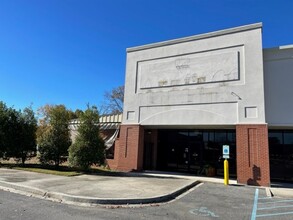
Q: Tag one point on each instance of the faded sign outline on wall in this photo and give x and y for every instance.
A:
(189, 69)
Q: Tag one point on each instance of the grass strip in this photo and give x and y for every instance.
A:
(49, 171)
(62, 170)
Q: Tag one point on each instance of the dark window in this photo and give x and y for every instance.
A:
(110, 152)
(281, 154)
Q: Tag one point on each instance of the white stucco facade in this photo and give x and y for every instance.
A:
(186, 98)
(211, 79)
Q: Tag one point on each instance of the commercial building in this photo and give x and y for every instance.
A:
(186, 98)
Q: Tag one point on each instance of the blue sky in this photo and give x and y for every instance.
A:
(72, 51)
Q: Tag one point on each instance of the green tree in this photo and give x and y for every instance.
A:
(10, 131)
(17, 133)
(88, 148)
(4, 118)
(53, 136)
(75, 114)
(26, 147)
(78, 113)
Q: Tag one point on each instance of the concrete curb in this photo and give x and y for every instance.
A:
(25, 189)
(102, 201)
(281, 192)
(269, 192)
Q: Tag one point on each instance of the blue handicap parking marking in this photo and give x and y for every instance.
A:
(266, 207)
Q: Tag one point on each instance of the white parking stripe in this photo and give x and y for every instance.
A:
(274, 214)
(254, 209)
(263, 203)
(264, 198)
(275, 207)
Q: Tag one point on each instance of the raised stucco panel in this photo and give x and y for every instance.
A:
(225, 67)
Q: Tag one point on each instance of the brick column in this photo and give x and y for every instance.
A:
(130, 149)
(252, 154)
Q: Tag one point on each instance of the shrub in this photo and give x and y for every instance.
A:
(88, 148)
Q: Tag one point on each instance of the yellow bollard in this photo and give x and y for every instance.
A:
(226, 172)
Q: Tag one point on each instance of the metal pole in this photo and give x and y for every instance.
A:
(226, 172)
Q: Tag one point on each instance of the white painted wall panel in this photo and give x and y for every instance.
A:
(195, 80)
(205, 114)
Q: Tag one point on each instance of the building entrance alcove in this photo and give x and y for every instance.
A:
(194, 151)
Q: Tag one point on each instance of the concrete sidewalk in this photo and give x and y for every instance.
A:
(97, 189)
(282, 189)
(127, 188)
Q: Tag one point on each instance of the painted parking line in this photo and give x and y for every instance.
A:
(274, 214)
(278, 201)
(271, 206)
(265, 198)
(254, 209)
(275, 207)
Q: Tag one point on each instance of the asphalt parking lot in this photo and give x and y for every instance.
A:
(205, 201)
(209, 199)
(272, 207)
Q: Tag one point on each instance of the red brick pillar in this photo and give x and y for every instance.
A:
(130, 149)
(253, 154)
